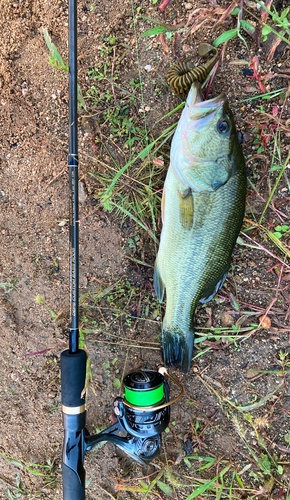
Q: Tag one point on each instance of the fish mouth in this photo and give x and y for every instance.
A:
(204, 113)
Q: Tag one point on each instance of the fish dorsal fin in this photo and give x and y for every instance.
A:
(185, 201)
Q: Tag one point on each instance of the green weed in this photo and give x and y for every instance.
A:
(256, 31)
(57, 62)
(9, 286)
(35, 469)
(281, 231)
(40, 300)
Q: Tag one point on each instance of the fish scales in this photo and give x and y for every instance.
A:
(203, 207)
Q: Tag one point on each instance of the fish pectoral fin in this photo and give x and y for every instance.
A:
(163, 205)
(209, 292)
(207, 176)
(158, 284)
(185, 201)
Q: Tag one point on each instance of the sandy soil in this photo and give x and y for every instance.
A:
(34, 258)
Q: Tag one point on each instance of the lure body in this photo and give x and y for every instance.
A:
(202, 211)
(182, 75)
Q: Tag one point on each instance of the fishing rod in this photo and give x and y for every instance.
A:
(144, 412)
(73, 360)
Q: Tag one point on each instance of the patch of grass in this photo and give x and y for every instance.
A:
(258, 31)
(226, 483)
(46, 471)
(124, 299)
(15, 491)
(131, 176)
(241, 418)
(9, 286)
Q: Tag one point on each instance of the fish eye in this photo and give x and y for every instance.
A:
(223, 126)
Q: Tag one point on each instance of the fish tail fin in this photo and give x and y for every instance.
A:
(177, 346)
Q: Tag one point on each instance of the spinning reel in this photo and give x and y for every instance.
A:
(144, 414)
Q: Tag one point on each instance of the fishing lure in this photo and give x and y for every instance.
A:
(182, 75)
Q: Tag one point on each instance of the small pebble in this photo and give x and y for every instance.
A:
(186, 48)
(227, 319)
(265, 321)
(188, 6)
(82, 193)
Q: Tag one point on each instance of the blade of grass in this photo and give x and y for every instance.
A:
(273, 93)
(55, 55)
(274, 188)
(136, 220)
(205, 486)
(271, 236)
(141, 155)
(170, 112)
(257, 246)
(262, 401)
(225, 37)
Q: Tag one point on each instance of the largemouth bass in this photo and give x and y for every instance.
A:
(202, 212)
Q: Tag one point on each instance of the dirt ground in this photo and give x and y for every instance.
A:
(119, 311)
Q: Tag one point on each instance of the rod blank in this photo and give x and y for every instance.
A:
(73, 180)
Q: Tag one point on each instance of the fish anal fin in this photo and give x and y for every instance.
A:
(158, 284)
(185, 201)
(209, 292)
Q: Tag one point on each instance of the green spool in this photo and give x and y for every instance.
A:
(144, 398)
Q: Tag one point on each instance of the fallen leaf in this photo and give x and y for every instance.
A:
(158, 162)
(267, 488)
(163, 43)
